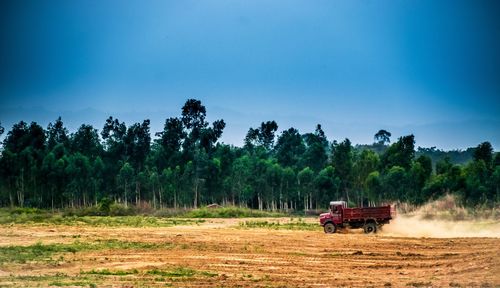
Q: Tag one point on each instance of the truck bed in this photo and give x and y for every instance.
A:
(361, 214)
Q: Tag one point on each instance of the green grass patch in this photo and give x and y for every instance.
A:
(118, 215)
(37, 278)
(117, 244)
(39, 252)
(176, 272)
(44, 252)
(277, 225)
(180, 272)
(229, 212)
(72, 283)
(44, 217)
(110, 272)
(131, 221)
(58, 279)
(158, 274)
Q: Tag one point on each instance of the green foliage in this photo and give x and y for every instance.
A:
(45, 252)
(394, 183)
(108, 272)
(40, 252)
(261, 137)
(289, 148)
(72, 284)
(484, 152)
(382, 137)
(126, 172)
(400, 153)
(229, 212)
(79, 217)
(176, 272)
(276, 225)
(342, 160)
(454, 156)
(327, 185)
(315, 156)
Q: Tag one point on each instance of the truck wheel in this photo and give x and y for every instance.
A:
(330, 228)
(370, 228)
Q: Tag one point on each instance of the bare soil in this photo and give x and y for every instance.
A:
(224, 255)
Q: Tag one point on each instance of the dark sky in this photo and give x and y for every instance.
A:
(431, 68)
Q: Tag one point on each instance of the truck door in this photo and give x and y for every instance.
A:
(337, 214)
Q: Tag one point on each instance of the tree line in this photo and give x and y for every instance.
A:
(186, 165)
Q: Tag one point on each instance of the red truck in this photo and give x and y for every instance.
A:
(368, 218)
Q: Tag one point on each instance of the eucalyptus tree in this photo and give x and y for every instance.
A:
(373, 185)
(170, 142)
(113, 133)
(193, 119)
(365, 163)
(262, 136)
(327, 187)
(289, 197)
(315, 155)
(305, 186)
(22, 157)
(86, 141)
(137, 141)
(55, 177)
(400, 153)
(79, 171)
(418, 176)
(57, 134)
(240, 180)
(126, 178)
(171, 187)
(382, 137)
(199, 134)
(289, 148)
(394, 184)
(484, 152)
(342, 161)
(114, 154)
(97, 178)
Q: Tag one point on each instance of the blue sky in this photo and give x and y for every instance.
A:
(431, 68)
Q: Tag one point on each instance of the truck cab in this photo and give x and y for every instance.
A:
(334, 216)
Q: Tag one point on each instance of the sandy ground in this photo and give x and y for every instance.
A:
(235, 257)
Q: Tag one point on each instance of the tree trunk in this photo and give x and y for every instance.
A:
(137, 192)
(154, 198)
(347, 196)
(20, 190)
(11, 198)
(196, 194)
(305, 203)
(175, 198)
(125, 192)
(259, 200)
(160, 191)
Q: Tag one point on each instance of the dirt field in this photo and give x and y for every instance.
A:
(219, 253)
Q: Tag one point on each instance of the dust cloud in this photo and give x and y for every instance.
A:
(415, 226)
